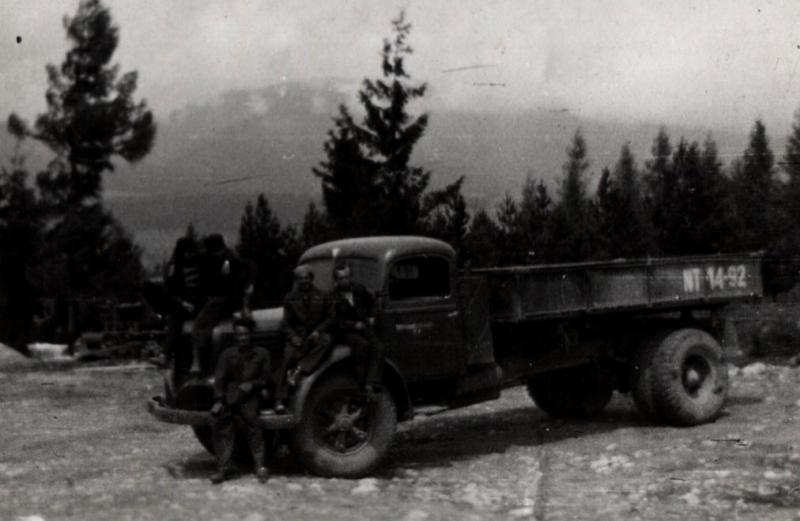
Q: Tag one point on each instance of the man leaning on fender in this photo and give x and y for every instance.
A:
(307, 317)
(241, 381)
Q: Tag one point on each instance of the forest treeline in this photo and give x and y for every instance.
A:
(60, 244)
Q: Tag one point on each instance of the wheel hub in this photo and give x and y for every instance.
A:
(346, 427)
(696, 371)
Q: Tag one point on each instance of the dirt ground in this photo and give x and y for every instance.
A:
(77, 444)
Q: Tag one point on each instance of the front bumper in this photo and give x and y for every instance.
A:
(269, 420)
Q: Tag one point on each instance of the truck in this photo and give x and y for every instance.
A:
(571, 333)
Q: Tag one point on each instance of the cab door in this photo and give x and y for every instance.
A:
(421, 322)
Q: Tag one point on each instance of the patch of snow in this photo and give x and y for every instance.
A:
(754, 369)
(771, 474)
(605, 465)
(365, 486)
(294, 487)
(10, 357)
(473, 495)
(11, 471)
(50, 352)
(31, 518)
(691, 498)
(255, 516)
(416, 515)
(521, 512)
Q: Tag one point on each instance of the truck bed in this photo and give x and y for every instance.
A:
(526, 293)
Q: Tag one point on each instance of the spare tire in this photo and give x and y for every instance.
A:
(683, 379)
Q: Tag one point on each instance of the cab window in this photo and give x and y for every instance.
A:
(419, 277)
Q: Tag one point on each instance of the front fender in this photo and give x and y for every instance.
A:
(341, 354)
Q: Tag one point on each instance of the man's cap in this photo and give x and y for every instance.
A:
(214, 243)
(244, 321)
(341, 268)
(303, 271)
(185, 245)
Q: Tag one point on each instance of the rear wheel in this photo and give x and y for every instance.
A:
(683, 379)
(341, 433)
(578, 392)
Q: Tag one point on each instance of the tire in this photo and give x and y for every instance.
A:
(641, 378)
(198, 396)
(340, 433)
(578, 392)
(681, 379)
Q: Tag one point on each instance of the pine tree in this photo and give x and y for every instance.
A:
(88, 254)
(20, 236)
(715, 224)
(266, 245)
(755, 190)
(534, 210)
(368, 185)
(509, 240)
(91, 118)
(447, 215)
(349, 182)
(570, 231)
(624, 222)
(789, 199)
(663, 194)
(480, 245)
(315, 229)
(91, 114)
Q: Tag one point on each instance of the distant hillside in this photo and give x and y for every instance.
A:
(269, 139)
(209, 160)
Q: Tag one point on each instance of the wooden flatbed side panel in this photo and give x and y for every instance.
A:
(530, 293)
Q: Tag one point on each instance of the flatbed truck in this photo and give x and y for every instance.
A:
(571, 333)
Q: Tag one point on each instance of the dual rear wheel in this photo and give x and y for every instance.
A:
(678, 378)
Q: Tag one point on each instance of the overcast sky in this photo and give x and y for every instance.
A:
(716, 63)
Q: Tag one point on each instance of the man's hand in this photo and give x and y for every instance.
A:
(187, 306)
(314, 335)
(246, 387)
(296, 341)
(216, 409)
(359, 326)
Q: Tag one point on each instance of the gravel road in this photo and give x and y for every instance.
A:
(77, 444)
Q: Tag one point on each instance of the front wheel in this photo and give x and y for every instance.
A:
(341, 433)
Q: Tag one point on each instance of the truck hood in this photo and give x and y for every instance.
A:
(267, 321)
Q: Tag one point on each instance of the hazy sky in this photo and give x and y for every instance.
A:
(716, 63)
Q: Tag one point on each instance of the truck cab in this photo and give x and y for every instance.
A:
(423, 308)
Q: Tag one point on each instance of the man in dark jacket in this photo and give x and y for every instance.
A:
(307, 318)
(354, 325)
(241, 381)
(180, 295)
(226, 281)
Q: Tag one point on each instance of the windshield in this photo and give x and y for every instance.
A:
(364, 271)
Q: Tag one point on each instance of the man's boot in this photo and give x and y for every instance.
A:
(262, 474)
(220, 476)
